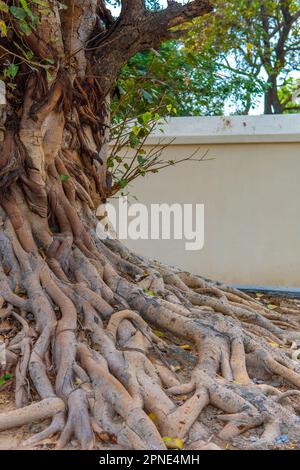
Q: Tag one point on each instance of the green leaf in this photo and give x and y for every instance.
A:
(42, 3)
(3, 28)
(25, 28)
(4, 378)
(27, 53)
(123, 183)
(133, 140)
(12, 70)
(141, 160)
(17, 12)
(8, 376)
(64, 178)
(146, 116)
(3, 7)
(25, 6)
(149, 292)
(147, 96)
(45, 11)
(136, 130)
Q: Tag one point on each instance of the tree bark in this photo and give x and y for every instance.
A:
(272, 102)
(87, 342)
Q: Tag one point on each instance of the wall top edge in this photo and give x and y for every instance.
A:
(228, 129)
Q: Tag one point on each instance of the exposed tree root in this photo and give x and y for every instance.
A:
(41, 410)
(86, 343)
(91, 354)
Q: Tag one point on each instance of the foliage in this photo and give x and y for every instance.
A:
(155, 84)
(151, 4)
(172, 75)
(4, 378)
(21, 17)
(246, 50)
(255, 42)
(129, 156)
(289, 93)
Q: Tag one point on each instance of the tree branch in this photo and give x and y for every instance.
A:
(176, 13)
(105, 13)
(78, 22)
(133, 9)
(137, 30)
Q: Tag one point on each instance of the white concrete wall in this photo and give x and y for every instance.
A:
(251, 193)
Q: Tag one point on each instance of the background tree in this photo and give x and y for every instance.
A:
(257, 43)
(248, 50)
(91, 327)
(172, 75)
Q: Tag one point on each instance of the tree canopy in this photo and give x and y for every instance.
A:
(258, 41)
(246, 51)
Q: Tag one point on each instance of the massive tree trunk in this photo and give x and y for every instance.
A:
(86, 353)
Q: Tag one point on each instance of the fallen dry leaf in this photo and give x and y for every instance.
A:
(272, 307)
(173, 442)
(185, 346)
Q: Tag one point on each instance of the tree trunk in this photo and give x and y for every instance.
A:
(87, 346)
(272, 102)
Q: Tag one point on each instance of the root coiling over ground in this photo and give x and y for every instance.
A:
(90, 345)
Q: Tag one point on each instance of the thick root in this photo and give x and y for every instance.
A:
(35, 412)
(125, 349)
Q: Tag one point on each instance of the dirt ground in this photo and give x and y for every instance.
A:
(182, 361)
